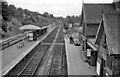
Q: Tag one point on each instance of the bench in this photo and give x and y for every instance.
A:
(20, 45)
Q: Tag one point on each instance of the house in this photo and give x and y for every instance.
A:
(91, 18)
(91, 15)
(107, 40)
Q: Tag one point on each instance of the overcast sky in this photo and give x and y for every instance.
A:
(55, 7)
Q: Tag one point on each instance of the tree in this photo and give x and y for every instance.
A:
(5, 11)
(46, 14)
(69, 19)
(20, 9)
(4, 26)
(51, 16)
(12, 10)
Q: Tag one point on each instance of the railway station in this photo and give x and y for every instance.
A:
(35, 44)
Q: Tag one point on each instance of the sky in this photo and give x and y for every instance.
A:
(55, 7)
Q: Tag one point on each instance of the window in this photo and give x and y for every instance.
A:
(104, 42)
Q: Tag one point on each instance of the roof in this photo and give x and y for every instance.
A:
(111, 24)
(112, 27)
(99, 32)
(93, 12)
(91, 30)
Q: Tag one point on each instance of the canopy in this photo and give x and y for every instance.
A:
(29, 27)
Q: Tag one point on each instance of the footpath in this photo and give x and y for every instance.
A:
(75, 62)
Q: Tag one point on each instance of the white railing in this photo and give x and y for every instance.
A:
(12, 40)
(8, 42)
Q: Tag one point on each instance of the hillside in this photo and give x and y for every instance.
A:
(12, 18)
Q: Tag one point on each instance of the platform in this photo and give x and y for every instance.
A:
(12, 55)
(75, 62)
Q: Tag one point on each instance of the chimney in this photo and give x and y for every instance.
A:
(117, 4)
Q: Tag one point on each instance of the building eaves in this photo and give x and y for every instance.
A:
(112, 30)
(93, 12)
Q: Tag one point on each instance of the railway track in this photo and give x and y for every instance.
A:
(29, 64)
(51, 36)
(64, 62)
(55, 68)
(31, 67)
(58, 65)
(21, 65)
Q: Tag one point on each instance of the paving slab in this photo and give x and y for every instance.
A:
(75, 62)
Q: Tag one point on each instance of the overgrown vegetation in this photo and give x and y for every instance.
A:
(13, 16)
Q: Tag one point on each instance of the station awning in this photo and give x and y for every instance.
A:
(31, 27)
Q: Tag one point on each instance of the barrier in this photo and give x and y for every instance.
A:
(10, 41)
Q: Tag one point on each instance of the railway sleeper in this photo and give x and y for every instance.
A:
(33, 65)
(56, 59)
(55, 72)
(55, 67)
(28, 72)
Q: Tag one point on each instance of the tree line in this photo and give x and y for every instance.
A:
(25, 16)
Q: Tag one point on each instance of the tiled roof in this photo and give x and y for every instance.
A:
(91, 30)
(93, 12)
(112, 30)
(99, 32)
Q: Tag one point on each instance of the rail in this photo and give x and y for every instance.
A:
(56, 63)
(34, 62)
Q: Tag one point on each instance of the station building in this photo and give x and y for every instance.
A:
(107, 39)
(100, 24)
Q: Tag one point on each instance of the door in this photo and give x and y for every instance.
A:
(102, 70)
